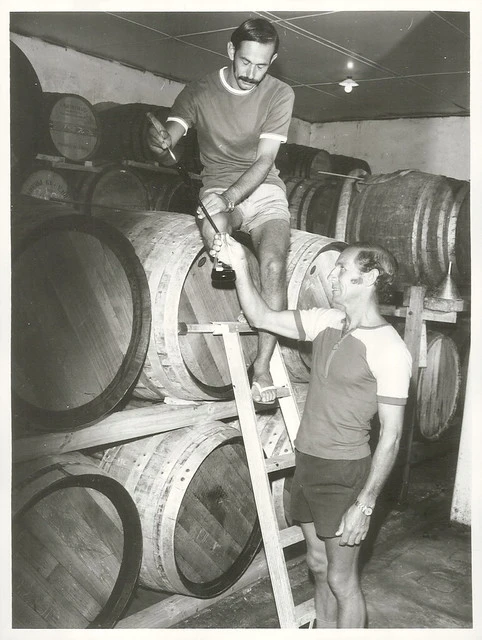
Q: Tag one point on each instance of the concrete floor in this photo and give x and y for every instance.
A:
(416, 564)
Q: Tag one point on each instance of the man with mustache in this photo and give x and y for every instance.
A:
(242, 115)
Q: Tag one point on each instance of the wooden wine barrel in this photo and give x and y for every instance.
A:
(170, 193)
(25, 105)
(77, 545)
(438, 386)
(313, 204)
(311, 259)
(302, 161)
(415, 216)
(113, 188)
(191, 366)
(193, 492)
(80, 322)
(70, 127)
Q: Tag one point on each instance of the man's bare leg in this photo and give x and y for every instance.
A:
(316, 559)
(271, 243)
(344, 582)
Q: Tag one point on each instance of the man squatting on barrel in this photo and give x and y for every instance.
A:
(359, 365)
(242, 115)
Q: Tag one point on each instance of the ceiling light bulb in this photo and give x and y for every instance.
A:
(348, 83)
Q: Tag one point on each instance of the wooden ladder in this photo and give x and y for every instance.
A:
(274, 539)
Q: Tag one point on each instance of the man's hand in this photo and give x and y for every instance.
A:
(227, 250)
(353, 527)
(158, 138)
(214, 204)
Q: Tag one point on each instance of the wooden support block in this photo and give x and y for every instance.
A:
(442, 304)
(122, 426)
(427, 314)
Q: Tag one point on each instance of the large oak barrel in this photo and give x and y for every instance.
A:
(191, 366)
(77, 545)
(193, 492)
(25, 106)
(114, 187)
(415, 215)
(438, 386)
(311, 258)
(70, 127)
(80, 321)
(313, 204)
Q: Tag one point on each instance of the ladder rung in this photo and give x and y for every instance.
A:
(305, 612)
(291, 535)
(278, 463)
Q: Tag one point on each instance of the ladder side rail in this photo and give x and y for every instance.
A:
(275, 559)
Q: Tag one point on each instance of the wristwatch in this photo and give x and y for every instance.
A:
(229, 203)
(364, 508)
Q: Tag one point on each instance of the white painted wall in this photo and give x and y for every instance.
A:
(62, 70)
(434, 145)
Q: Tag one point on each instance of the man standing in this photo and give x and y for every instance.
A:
(360, 365)
(242, 115)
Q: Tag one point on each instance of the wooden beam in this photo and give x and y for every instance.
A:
(177, 608)
(122, 426)
(413, 333)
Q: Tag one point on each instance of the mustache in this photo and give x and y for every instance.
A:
(248, 80)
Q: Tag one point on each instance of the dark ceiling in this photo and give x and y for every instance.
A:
(407, 63)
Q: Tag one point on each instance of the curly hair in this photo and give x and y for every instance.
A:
(373, 256)
(256, 30)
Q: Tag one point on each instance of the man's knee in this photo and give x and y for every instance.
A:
(273, 266)
(342, 584)
(317, 562)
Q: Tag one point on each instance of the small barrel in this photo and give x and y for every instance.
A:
(51, 184)
(113, 188)
(415, 215)
(77, 545)
(70, 127)
(191, 366)
(311, 259)
(193, 492)
(438, 386)
(80, 321)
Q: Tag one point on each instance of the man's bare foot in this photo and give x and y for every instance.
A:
(262, 389)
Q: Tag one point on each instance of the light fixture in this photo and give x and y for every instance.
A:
(348, 83)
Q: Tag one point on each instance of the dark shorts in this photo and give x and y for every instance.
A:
(322, 490)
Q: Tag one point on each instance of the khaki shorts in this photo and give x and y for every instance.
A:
(267, 202)
(322, 490)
